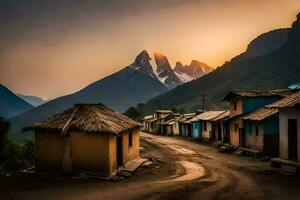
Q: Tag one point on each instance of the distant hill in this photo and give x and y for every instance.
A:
(33, 100)
(271, 61)
(10, 104)
(118, 91)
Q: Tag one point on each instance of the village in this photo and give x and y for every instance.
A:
(212, 154)
(257, 123)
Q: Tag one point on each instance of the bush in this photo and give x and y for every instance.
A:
(18, 156)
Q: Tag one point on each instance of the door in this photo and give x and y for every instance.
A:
(219, 131)
(242, 137)
(213, 131)
(292, 139)
(119, 151)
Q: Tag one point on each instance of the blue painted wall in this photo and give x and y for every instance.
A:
(196, 129)
(271, 125)
(251, 104)
(248, 127)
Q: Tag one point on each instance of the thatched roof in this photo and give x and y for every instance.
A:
(92, 118)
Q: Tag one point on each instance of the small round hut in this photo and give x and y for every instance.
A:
(86, 138)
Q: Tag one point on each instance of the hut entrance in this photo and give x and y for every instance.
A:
(292, 139)
(119, 151)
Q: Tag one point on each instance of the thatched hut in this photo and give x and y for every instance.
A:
(86, 138)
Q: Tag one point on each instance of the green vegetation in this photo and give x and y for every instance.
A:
(14, 156)
(135, 112)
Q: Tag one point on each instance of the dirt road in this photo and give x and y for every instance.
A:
(184, 170)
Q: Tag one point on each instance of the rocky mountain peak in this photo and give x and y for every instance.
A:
(195, 70)
(163, 65)
(142, 64)
(165, 72)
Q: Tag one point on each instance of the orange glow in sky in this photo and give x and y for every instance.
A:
(50, 62)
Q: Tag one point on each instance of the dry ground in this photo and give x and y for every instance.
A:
(182, 170)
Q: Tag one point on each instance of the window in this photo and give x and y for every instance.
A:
(256, 130)
(204, 126)
(130, 139)
(235, 105)
(236, 128)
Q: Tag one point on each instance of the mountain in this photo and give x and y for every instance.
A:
(10, 104)
(142, 64)
(33, 100)
(119, 91)
(164, 71)
(193, 71)
(265, 44)
(262, 66)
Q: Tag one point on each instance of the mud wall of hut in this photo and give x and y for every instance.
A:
(49, 151)
(90, 152)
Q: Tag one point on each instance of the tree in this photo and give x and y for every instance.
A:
(133, 113)
(174, 110)
(4, 128)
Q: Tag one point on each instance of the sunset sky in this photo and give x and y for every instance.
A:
(51, 48)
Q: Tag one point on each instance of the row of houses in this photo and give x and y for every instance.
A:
(265, 122)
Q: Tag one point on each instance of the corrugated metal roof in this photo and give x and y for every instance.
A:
(163, 111)
(295, 86)
(148, 117)
(208, 115)
(260, 114)
(222, 116)
(257, 93)
(185, 118)
(289, 101)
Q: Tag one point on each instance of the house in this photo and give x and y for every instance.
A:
(86, 138)
(185, 125)
(289, 133)
(146, 123)
(159, 117)
(262, 131)
(196, 125)
(244, 102)
(220, 127)
(171, 125)
(204, 121)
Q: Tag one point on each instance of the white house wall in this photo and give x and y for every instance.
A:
(284, 115)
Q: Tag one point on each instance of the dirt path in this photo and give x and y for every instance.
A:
(186, 170)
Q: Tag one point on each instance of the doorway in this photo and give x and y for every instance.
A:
(292, 139)
(219, 131)
(119, 151)
(242, 137)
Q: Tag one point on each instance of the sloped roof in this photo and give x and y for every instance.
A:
(148, 117)
(222, 116)
(289, 101)
(93, 118)
(163, 111)
(295, 86)
(186, 117)
(208, 115)
(258, 93)
(260, 114)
